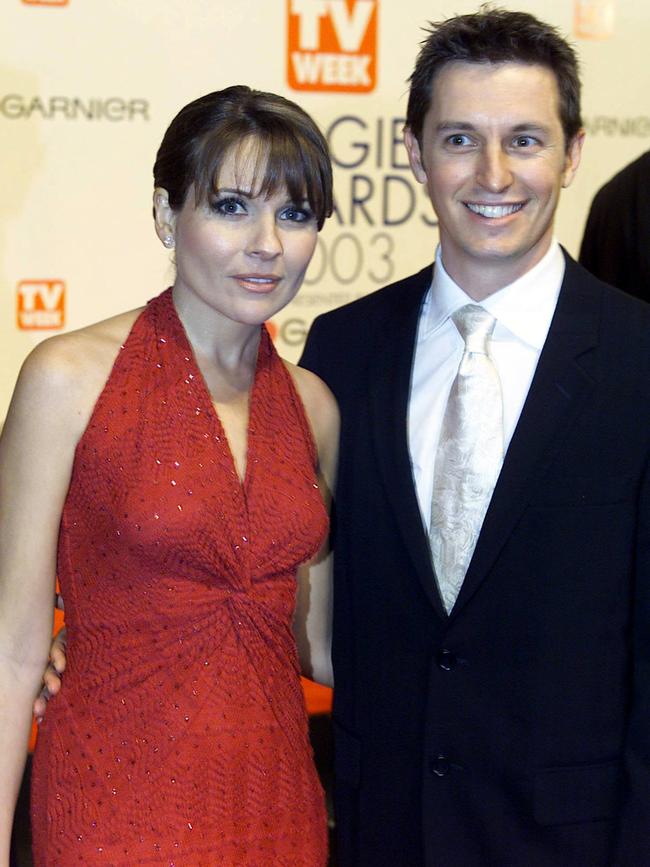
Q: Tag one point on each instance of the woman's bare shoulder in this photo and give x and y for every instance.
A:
(314, 393)
(98, 339)
(84, 352)
(65, 373)
(323, 415)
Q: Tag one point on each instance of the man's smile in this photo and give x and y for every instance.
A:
(493, 212)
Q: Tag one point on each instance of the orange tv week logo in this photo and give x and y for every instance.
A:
(40, 305)
(46, 2)
(332, 45)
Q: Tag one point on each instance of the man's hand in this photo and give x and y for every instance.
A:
(52, 674)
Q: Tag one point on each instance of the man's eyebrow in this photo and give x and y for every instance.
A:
(531, 126)
(448, 125)
(464, 126)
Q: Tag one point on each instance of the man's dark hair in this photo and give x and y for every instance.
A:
(495, 36)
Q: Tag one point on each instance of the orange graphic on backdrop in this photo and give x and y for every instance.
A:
(332, 45)
(40, 305)
(46, 2)
(594, 19)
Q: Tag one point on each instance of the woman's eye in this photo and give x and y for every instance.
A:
(229, 205)
(296, 214)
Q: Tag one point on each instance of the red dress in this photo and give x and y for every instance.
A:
(180, 734)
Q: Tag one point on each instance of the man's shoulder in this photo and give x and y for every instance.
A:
(341, 343)
(380, 304)
(624, 316)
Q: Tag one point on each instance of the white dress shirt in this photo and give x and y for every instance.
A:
(523, 311)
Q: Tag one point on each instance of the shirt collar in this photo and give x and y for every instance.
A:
(525, 307)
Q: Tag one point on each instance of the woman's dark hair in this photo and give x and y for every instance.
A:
(290, 149)
(495, 36)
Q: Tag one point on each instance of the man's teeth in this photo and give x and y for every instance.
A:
(493, 211)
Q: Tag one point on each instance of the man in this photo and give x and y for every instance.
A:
(616, 243)
(492, 602)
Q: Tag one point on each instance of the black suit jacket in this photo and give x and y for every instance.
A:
(616, 242)
(516, 731)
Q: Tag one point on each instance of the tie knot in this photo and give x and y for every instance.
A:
(475, 325)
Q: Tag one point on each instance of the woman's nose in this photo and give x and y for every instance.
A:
(265, 239)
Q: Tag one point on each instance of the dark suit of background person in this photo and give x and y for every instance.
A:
(515, 730)
(616, 242)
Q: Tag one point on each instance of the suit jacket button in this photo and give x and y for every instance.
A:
(447, 660)
(439, 766)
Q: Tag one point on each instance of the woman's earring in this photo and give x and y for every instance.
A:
(168, 241)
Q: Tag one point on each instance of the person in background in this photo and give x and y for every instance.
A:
(176, 474)
(492, 570)
(616, 243)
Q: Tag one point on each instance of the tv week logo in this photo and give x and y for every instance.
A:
(332, 45)
(40, 305)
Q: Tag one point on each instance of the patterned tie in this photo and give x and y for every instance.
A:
(469, 456)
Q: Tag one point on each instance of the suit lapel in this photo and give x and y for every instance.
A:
(561, 383)
(389, 395)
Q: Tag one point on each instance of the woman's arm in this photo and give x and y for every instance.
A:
(312, 623)
(36, 453)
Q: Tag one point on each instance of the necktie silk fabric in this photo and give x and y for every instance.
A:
(469, 455)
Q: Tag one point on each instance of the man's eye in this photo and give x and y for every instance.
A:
(524, 141)
(459, 140)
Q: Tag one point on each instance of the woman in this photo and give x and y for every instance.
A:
(175, 474)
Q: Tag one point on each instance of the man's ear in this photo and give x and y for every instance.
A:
(415, 156)
(573, 154)
(164, 216)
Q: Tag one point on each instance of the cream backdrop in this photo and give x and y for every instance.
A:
(76, 190)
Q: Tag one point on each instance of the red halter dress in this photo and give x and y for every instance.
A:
(180, 734)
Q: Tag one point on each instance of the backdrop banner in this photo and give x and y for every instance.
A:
(87, 89)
